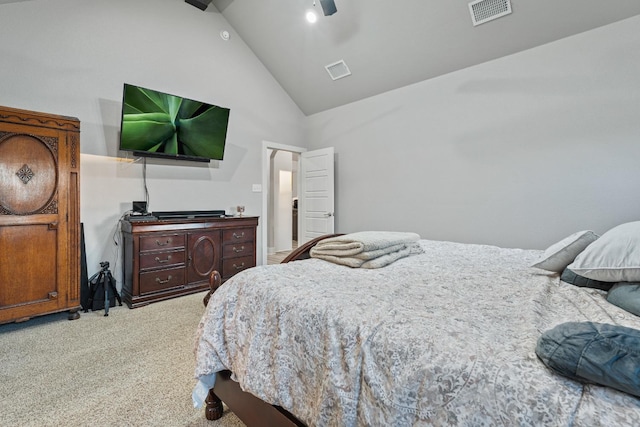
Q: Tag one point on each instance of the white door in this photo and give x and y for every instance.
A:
(316, 199)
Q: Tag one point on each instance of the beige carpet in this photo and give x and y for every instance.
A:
(132, 368)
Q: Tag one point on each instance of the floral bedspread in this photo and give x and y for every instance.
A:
(446, 337)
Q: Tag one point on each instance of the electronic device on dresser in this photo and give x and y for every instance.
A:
(138, 208)
(188, 214)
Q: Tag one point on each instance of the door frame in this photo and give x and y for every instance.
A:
(266, 146)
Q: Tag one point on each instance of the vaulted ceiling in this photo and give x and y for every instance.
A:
(387, 44)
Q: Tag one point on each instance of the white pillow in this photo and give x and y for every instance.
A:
(559, 255)
(614, 257)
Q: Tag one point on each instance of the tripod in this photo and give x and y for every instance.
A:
(105, 278)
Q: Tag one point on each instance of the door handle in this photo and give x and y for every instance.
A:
(328, 214)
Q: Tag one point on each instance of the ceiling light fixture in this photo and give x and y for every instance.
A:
(311, 16)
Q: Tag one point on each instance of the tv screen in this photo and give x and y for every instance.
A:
(157, 124)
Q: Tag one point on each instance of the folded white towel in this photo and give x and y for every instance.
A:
(367, 249)
(363, 241)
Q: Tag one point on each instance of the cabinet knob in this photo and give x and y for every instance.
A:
(236, 250)
(238, 267)
(238, 236)
(165, 243)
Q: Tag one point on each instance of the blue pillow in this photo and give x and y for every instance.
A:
(595, 353)
(626, 295)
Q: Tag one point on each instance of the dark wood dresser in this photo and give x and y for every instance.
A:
(168, 258)
(39, 214)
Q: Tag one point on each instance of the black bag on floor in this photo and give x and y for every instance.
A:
(102, 287)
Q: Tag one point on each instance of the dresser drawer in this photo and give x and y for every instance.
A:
(161, 241)
(239, 235)
(236, 265)
(162, 259)
(159, 280)
(238, 249)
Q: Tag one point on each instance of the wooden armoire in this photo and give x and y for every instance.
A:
(39, 214)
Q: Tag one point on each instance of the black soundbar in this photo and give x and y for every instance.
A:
(188, 214)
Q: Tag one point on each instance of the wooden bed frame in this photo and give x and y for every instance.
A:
(248, 408)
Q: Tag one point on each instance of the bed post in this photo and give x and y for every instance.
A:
(215, 280)
(213, 408)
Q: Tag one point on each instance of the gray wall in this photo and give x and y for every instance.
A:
(72, 57)
(518, 152)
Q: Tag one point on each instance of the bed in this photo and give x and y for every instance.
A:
(447, 336)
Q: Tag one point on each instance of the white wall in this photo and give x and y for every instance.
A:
(71, 57)
(518, 152)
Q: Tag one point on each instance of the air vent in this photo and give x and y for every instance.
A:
(338, 70)
(487, 10)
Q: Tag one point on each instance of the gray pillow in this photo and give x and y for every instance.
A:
(626, 295)
(596, 353)
(559, 255)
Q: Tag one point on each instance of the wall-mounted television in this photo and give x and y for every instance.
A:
(157, 124)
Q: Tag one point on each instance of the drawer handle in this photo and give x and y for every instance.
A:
(236, 250)
(238, 236)
(159, 243)
(238, 267)
(162, 261)
(162, 282)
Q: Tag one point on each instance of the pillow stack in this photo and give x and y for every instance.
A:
(610, 262)
(589, 352)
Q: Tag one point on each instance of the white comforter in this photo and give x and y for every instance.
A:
(446, 337)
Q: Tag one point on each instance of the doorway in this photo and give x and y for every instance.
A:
(315, 210)
(280, 184)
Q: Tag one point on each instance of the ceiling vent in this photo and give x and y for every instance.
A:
(487, 10)
(338, 70)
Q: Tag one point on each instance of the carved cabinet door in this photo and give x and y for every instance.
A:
(38, 272)
(203, 255)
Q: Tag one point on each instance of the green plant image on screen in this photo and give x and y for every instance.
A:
(156, 122)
